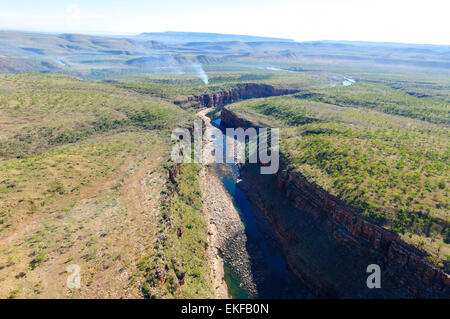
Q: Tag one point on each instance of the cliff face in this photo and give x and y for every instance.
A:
(241, 92)
(229, 119)
(403, 266)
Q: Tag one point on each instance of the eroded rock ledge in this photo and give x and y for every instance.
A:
(404, 265)
(241, 92)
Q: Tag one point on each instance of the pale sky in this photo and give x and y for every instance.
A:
(408, 21)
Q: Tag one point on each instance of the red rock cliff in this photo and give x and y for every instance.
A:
(241, 92)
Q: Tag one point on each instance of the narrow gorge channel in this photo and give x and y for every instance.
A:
(253, 266)
(327, 244)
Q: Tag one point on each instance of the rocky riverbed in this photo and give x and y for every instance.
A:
(226, 232)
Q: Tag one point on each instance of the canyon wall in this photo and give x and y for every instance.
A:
(404, 267)
(240, 92)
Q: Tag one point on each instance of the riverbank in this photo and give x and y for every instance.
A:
(214, 259)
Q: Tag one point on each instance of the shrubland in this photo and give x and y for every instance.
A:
(81, 174)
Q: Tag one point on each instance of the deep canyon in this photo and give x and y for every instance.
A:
(328, 244)
(325, 243)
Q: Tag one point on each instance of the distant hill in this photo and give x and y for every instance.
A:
(37, 45)
(185, 37)
(100, 56)
(18, 65)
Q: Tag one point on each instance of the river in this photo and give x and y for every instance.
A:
(348, 82)
(268, 266)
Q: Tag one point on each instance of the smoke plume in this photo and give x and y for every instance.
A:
(198, 69)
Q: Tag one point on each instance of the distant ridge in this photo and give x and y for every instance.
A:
(96, 56)
(184, 37)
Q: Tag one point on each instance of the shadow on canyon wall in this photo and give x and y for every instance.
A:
(328, 270)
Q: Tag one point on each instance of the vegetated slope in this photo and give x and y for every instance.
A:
(21, 65)
(178, 266)
(384, 99)
(432, 86)
(394, 169)
(81, 175)
(41, 112)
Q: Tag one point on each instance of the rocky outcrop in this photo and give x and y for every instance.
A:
(240, 92)
(404, 266)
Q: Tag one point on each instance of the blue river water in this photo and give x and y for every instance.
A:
(274, 279)
(348, 82)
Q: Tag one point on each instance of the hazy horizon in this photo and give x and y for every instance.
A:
(409, 22)
(114, 34)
